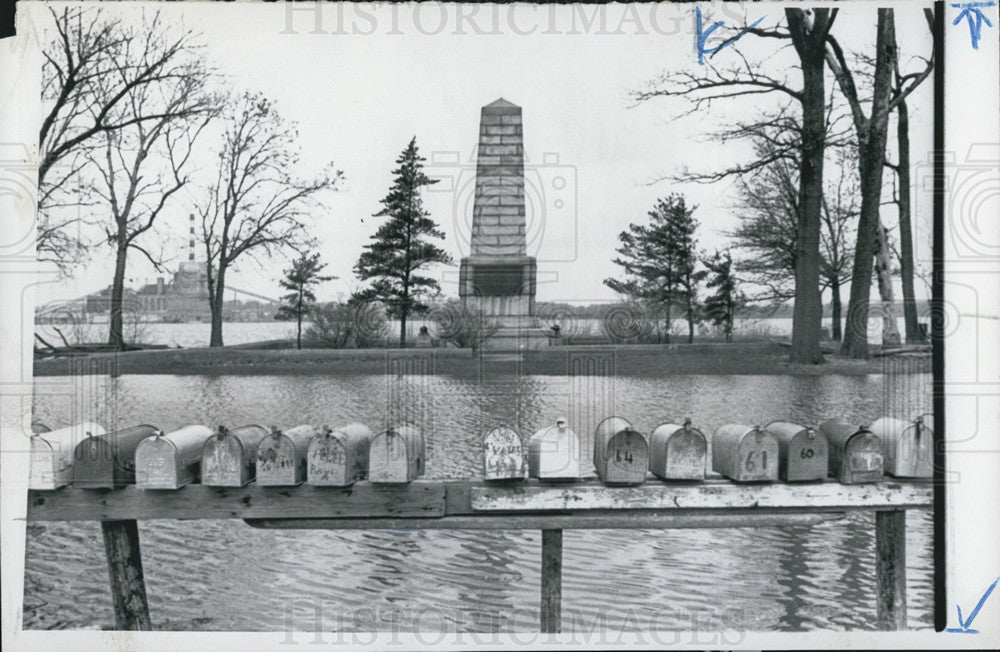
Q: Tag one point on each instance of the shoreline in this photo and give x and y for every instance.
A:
(757, 358)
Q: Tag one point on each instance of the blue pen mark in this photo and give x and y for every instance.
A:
(703, 36)
(972, 12)
(966, 625)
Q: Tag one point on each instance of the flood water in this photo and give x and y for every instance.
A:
(224, 575)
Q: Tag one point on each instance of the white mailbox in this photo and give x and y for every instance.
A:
(51, 454)
(170, 461)
(554, 453)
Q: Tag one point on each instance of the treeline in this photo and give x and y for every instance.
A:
(133, 110)
(807, 231)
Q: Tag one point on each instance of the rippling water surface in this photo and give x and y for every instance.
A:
(224, 575)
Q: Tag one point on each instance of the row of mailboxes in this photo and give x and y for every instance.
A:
(86, 456)
(779, 450)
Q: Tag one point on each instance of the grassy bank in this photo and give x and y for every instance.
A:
(760, 358)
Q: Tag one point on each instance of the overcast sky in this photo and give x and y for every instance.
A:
(377, 75)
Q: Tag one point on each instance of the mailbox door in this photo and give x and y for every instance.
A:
(686, 453)
(912, 456)
(758, 457)
(806, 457)
(503, 455)
(626, 458)
(863, 460)
(388, 460)
(157, 465)
(331, 461)
(224, 462)
(557, 454)
(276, 462)
(94, 464)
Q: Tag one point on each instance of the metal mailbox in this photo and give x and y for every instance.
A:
(802, 452)
(229, 457)
(170, 461)
(51, 454)
(339, 457)
(745, 453)
(396, 455)
(621, 454)
(677, 452)
(554, 453)
(855, 452)
(281, 456)
(503, 455)
(108, 461)
(909, 446)
(37, 428)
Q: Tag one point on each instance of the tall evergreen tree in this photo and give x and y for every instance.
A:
(720, 307)
(299, 280)
(659, 260)
(399, 249)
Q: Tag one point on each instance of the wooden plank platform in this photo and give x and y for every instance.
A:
(472, 499)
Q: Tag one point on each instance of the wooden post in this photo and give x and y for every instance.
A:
(551, 614)
(128, 588)
(890, 569)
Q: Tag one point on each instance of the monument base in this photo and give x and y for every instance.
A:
(502, 289)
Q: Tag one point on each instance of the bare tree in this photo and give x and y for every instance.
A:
(807, 30)
(92, 66)
(871, 129)
(141, 166)
(769, 207)
(255, 205)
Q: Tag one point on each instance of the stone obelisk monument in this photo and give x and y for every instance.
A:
(497, 279)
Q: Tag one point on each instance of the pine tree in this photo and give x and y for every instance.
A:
(299, 281)
(659, 260)
(399, 249)
(720, 307)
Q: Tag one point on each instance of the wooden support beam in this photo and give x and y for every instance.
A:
(578, 521)
(890, 569)
(551, 607)
(430, 499)
(128, 587)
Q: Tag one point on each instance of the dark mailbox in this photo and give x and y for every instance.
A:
(108, 461)
(397, 455)
(229, 457)
(503, 455)
(745, 453)
(855, 452)
(170, 461)
(50, 463)
(338, 457)
(554, 453)
(281, 456)
(677, 452)
(909, 446)
(802, 452)
(38, 428)
(621, 454)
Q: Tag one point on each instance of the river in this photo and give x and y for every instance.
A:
(224, 575)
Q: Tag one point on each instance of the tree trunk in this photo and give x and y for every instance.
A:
(871, 160)
(905, 225)
(402, 330)
(116, 337)
(216, 302)
(835, 333)
(883, 274)
(667, 318)
(298, 337)
(807, 315)
(690, 320)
